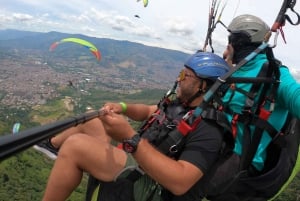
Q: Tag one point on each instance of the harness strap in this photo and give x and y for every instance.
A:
(250, 80)
(249, 102)
(149, 122)
(218, 116)
(260, 117)
(174, 141)
(250, 143)
(258, 122)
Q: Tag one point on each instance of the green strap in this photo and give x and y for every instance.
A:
(95, 194)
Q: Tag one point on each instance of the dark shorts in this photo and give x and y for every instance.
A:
(144, 187)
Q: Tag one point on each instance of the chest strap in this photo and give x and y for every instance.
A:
(259, 117)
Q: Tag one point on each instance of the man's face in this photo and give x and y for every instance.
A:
(188, 84)
(228, 54)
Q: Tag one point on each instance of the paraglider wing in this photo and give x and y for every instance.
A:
(137, 16)
(145, 3)
(85, 43)
(16, 128)
(53, 46)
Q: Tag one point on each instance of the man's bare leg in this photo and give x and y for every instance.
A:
(92, 128)
(81, 153)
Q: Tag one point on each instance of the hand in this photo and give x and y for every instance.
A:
(116, 126)
(114, 107)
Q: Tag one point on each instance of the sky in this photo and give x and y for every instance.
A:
(172, 24)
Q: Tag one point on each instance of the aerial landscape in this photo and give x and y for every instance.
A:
(60, 60)
(39, 87)
(123, 72)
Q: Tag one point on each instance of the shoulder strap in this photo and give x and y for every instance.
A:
(176, 138)
(250, 143)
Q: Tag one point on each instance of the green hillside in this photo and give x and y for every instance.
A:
(24, 175)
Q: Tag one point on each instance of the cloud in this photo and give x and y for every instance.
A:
(15, 18)
(5, 19)
(179, 26)
(121, 23)
(22, 17)
(88, 29)
(295, 73)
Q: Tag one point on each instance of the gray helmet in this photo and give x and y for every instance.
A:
(251, 25)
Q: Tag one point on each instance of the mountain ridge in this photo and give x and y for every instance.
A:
(28, 67)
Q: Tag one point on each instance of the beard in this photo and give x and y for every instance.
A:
(184, 94)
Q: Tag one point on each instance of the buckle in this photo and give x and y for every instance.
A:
(173, 149)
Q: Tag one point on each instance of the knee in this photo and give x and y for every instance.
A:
(72, 143)
(91, 124)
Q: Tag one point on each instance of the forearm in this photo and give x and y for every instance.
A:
(176, 176)
(289, 93)
(139, 112)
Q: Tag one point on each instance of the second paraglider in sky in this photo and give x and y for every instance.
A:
(79, 41)
(145, 2)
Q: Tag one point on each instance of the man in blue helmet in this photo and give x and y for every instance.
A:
(167, 171)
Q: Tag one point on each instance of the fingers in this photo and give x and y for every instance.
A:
(115, 107)
(106, 114)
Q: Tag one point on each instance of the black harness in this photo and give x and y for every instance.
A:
(263, 92)
(246, 183)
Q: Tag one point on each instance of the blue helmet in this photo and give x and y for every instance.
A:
(207, 65)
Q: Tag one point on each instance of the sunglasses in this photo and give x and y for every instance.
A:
(183, 74)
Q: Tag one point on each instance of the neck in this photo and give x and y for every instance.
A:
(196, 102)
